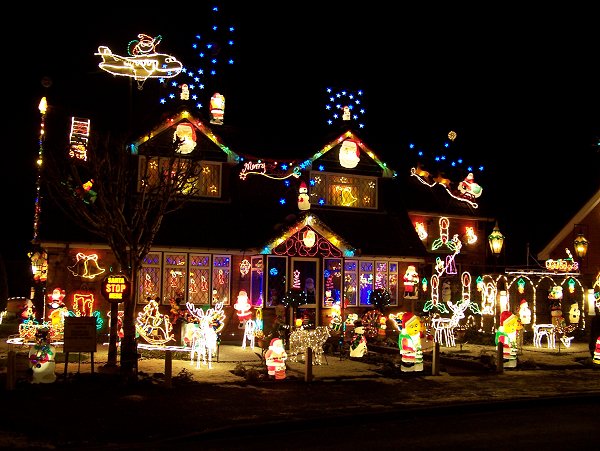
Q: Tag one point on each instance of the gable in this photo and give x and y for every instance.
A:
(309, 237)
(200, 143)
(348, 154)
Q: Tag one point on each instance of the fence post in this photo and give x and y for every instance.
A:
(168, 368)
(435, 361)
(308, 365)
(500, 357)
(11, 370)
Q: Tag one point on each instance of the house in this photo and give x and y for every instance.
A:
(585, 223)
(335, 224)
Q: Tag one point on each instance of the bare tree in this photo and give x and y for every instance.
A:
(122, 198)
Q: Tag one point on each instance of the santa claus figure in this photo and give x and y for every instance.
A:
(524, 312)
(303, 199)
(468, 188)
(217, 108)
(409, 342)
(349, 154)
(275, 358)
(243, 307)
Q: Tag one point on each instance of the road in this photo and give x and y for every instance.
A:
(565, 423)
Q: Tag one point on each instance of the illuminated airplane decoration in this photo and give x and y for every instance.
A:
(142, 62)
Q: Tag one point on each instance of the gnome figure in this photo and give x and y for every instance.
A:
(409, 342)
(507, 335)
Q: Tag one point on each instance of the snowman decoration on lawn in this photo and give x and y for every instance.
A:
(41, 359)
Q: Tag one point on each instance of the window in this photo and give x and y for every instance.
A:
(350, 282)
(149, 286)
(343, 190)
(256, 282)
(221, 279)
(174, 276)
(276, 279)
(199, 279)
(206, 184)
(332, 281)
(366, 282)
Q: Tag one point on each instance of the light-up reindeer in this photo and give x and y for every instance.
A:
(249, 329)
(204, 337)
(444, 327)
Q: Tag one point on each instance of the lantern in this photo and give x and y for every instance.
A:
(496, 240)
(581, 245)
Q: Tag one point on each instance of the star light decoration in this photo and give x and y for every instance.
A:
(345, 107)
(214, 53)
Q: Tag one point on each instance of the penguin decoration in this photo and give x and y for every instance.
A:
(303, 199)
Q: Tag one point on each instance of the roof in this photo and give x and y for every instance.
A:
(578, 218)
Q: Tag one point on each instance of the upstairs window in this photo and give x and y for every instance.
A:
(206, 184)
(343, 191)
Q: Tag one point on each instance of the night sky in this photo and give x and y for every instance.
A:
(520, 92)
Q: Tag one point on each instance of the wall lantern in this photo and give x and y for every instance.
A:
(581, 245)
(39, 265)
(496, 240)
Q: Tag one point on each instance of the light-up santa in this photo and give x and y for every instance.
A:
(243, 307)
(275, 359)
(349, 154)
(411, 279)
(524, 312)
(217, 108)
(468, 188)
(186, 136)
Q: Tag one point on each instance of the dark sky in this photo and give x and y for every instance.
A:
(520, 88)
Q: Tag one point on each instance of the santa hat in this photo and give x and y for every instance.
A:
(276, 343)
(407, 317)
(506, 316)
(303, 188)
(523, 301)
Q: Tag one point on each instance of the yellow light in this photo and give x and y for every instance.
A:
(581, 245)
(43, 106)
(496, 240)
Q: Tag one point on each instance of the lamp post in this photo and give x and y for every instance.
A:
(496, 240)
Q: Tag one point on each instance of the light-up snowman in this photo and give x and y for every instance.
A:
(41, 359)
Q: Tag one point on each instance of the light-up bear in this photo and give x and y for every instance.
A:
(574, 313)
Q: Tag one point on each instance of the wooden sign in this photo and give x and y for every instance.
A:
(80, 334)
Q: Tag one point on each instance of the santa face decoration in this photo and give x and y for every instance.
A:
(349, 154)
(187, 136)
